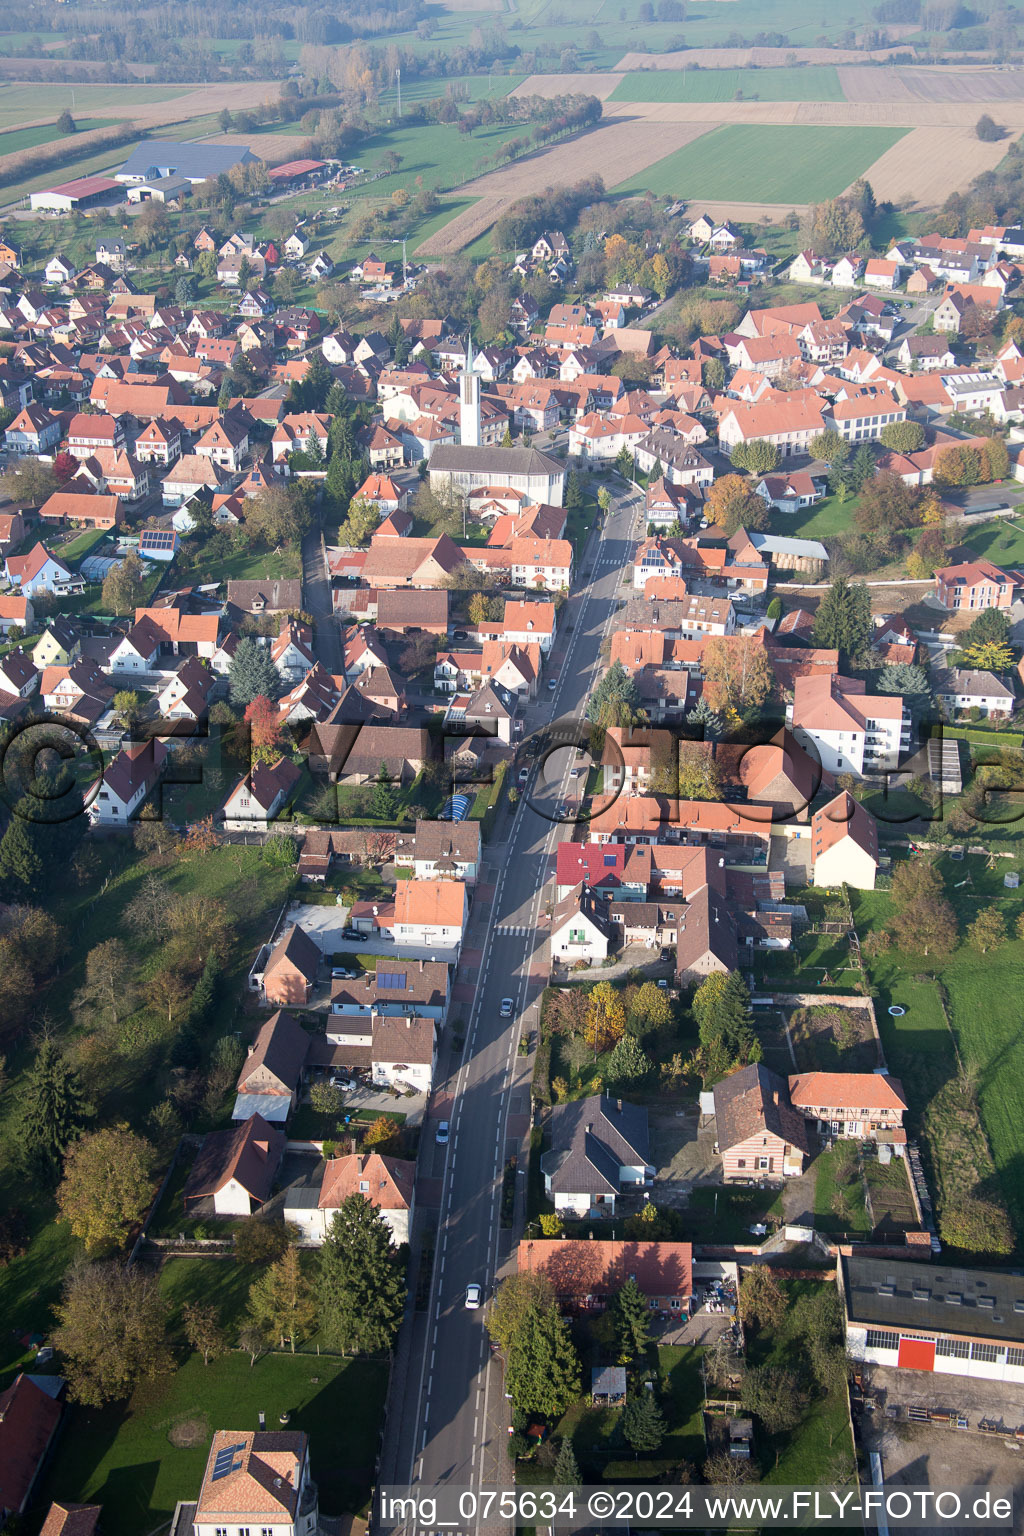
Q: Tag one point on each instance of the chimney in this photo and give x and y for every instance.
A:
(421, 967)
(618, 1105)
(263, 1419)
(408, 1023)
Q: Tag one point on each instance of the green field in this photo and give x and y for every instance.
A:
(19, 103)
(1001, 541)
(27, 138)
(131, 1459)
(813, 82)
(757, 164)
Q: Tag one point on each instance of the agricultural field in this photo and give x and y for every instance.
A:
(45, 133)
(1001, 541)
(860, 83)
(743, 162)
(811, 83)
(27, 104)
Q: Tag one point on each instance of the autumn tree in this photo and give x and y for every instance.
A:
(382, 1135)
(28, 482)
(830, 447)
(925, 922)
(738, 675)
(761, 1298)
(648, 1009)
(730, 503)
(988, 930)
(111, 1331)
(957, 465)
(360, 522)
(107, 991)
(107, 1185)
(759, 456)
(832, 227)
(886, 502)
(990, 657)
(512, 1301)
(902, 436)
(203, 1330)
(265, 735)
(124, 585)
(699, 776)
(281, 1301)
(606, 1018)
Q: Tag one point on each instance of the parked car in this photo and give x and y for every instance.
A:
(352, 935)
(338, 973)
(507, 1005)
(524, 774)
(474, 1296)
(441, 1134)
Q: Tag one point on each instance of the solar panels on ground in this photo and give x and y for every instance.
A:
(226, 1462)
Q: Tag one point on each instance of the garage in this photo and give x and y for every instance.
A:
(916, 1354)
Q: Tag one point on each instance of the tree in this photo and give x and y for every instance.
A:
(252, 673)
(259, 1241)
(886, 503)
(699, 776)
(762, 1300)
(649, 1009)
(124, 585)
(573, 490)
(730, 504)
(721, 1008)
(65, 466)
(833, 226)
(643, 1423)
(606, 1018)
(265, 734)
(542, 1373)
(107, 1185)
(111, 1331)
(988, 930)
(910, 682)
(706, 719)
(629, 1313)
(281, 1301)
(628, 1063)
(382, 1135)
(566, 1472)
(988, 130)
(108, 971)
(738, 674)
(384, 797)
(995, 459)
(914, 880)
(66, 124)
(774, 609)
(29, 482)
(360, 523)
(991, 657)
(513, 1300)
(902, 436)
(203, 1330)
(829, 447)
(759, 456)
(712, 373)
(127, 706)
(53, 1109)
(773, 1394)
(843, 620)
(615, 700)
(957, 465)
(279, 516)
(360, 1286)
(991, 625)
(927, 927)
(624, 463)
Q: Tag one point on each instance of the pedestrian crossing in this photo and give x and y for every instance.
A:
(510, 931)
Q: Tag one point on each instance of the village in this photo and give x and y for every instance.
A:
(584, 827)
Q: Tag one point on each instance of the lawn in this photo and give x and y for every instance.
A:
(753, 163)
(140, 1460)
(1001, 541)
(827, 518)
(818, 82)
(838, 1191)
(45, 133)
(249, 565)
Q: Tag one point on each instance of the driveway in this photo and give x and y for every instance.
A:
(324, 926)
(683, 1153)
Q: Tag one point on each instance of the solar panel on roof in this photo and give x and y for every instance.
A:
(392, 980)
(226, 1462)
(158, 538)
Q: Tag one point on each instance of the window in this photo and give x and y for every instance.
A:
(764, 1162)
(1015, 1356)
(988, 1352)
(741, 1162)
(957, 1349)
(881, 1338)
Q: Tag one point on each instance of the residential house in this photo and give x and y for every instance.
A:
(34, 430)
(844, 845)
(761, 1138)
(854, 1105)
(851, 730)
(235, 1169)
(126, 782)
(965, 689)
(599, 1147)
(31, 1409)
(440, 850)
(258, 798)
(269, 1082)
(16, 613)
(580, 928)
(258, 1481)
(586, 1274)
(977, 584)
(386, 1183)
(65, 1519)
(431, 912)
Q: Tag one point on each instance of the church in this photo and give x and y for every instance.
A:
(471, 465)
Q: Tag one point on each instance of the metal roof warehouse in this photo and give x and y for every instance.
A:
(931, 1317)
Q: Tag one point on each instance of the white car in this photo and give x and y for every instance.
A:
(474, 1296)
(441, 1134)
(507, 1005)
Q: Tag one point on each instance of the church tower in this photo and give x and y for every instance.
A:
(469, 402)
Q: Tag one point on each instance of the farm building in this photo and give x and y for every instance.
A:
(297, 173)
(156, 158)
(84, 192)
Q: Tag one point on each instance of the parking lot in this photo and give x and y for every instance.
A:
(933, 1455)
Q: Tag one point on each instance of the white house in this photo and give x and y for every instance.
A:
(404, 1051)
(430, 912)
(386, 1183)
(256, 800)
(851, 730)
(263, 1479)
(127, 781)
(844, 845)
(579, 928)
(235, 1169)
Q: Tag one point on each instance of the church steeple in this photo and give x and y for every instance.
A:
(469, 401)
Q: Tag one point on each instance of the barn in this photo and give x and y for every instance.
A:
(84, 192)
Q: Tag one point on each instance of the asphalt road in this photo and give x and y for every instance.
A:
(454, 1420)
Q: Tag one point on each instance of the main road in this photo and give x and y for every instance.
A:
(452, 1424)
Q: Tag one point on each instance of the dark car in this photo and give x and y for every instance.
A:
(351, 934)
